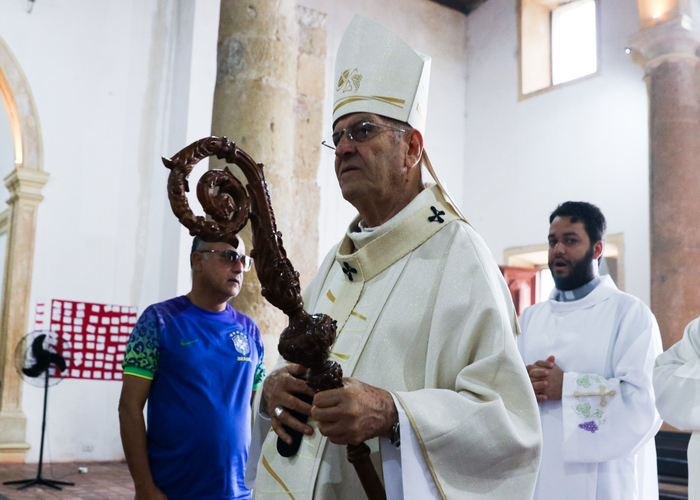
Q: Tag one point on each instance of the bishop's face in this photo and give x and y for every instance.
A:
(573, 260)
(370, 170)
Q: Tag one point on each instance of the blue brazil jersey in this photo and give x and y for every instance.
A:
(204, 366)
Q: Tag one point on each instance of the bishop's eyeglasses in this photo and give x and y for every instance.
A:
(360, 132)
(232, 258)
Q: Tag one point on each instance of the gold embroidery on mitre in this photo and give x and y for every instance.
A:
(330, 296)
(386, 100)
(349, 79)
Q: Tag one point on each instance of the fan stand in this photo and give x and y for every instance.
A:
(26, 483)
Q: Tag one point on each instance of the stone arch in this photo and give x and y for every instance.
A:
(19, 103)
(18, 229)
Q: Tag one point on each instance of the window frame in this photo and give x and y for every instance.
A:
(531, 6)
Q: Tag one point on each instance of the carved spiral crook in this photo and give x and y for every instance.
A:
(228, 208)
(308, 338)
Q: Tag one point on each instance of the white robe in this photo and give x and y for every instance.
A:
(429, 318)
(677, 385)
(595, 447)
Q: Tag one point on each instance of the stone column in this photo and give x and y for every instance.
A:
(25, 186)
(668, 52)
(256, 105)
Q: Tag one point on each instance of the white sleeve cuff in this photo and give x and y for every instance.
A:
(405, 469)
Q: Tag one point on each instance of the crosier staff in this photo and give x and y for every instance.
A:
(308, 338)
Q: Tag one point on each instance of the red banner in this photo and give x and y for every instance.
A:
(90, 337)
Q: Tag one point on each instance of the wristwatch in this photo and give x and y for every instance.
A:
(395, 435)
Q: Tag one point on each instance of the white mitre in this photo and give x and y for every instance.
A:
(377, 72)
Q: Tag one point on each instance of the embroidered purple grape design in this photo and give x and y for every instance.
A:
(589, 426)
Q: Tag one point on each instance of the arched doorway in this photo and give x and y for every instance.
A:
(17, 233)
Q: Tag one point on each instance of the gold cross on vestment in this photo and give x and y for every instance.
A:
(602, 395)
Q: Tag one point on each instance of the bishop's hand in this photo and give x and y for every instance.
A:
(354, 413)
(278, 398)
(547, 379)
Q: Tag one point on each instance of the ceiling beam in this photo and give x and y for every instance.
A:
(464, 6)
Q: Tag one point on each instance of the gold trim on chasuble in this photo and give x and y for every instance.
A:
(268, 467)
(419, 438)
(378, 255)
(331, 297)
(361, 266)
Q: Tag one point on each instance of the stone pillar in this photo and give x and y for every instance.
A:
(25, 187)
(668, 52)
(256, 105)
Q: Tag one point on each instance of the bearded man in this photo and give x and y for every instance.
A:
(590, 352)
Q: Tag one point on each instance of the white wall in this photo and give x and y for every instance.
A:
(585, 141)
(200, 110)
(113, 87)
(428, 28)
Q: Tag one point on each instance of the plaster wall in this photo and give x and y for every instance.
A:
(7, 154)
(433, 30)
(587, 140)
(113, 87)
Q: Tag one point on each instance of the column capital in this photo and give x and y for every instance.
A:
(26, 184)
(674, 39)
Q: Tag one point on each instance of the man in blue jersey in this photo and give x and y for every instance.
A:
(197, 361)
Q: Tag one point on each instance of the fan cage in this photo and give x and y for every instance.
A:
(24, 357)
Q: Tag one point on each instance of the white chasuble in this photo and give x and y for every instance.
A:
(422, 312)
(677, 385)
(598, 440)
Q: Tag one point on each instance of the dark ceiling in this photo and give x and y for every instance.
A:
(465, 6)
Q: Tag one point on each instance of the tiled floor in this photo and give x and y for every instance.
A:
(108, 481)
(103, 481)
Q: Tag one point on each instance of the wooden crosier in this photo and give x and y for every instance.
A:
(308, 338)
